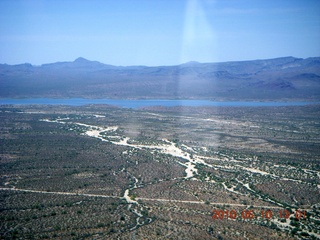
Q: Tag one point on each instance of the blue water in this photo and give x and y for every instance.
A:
(144, 103)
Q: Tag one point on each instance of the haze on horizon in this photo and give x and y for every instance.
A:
(157, 32)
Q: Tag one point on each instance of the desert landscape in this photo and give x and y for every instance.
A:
(100, 171)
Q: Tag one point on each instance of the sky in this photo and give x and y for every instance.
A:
(157, 32)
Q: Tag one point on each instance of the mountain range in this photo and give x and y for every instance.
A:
(286, 79)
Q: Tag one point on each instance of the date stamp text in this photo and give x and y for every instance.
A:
(254, 214)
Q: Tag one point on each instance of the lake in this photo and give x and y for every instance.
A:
(145, 103)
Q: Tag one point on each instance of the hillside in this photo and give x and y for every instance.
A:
(286, 78)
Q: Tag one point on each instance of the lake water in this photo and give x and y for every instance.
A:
(144, 103)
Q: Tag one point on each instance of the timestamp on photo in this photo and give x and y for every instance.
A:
(251, 214)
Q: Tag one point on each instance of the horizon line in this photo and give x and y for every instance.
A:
(142, 65)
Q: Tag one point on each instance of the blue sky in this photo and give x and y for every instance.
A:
(157, 32)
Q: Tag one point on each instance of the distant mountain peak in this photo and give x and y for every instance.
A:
(191, 63)
(81, 60)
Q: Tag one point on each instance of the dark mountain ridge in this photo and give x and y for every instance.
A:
(286, 78)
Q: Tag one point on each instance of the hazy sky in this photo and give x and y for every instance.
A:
(157, 32)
